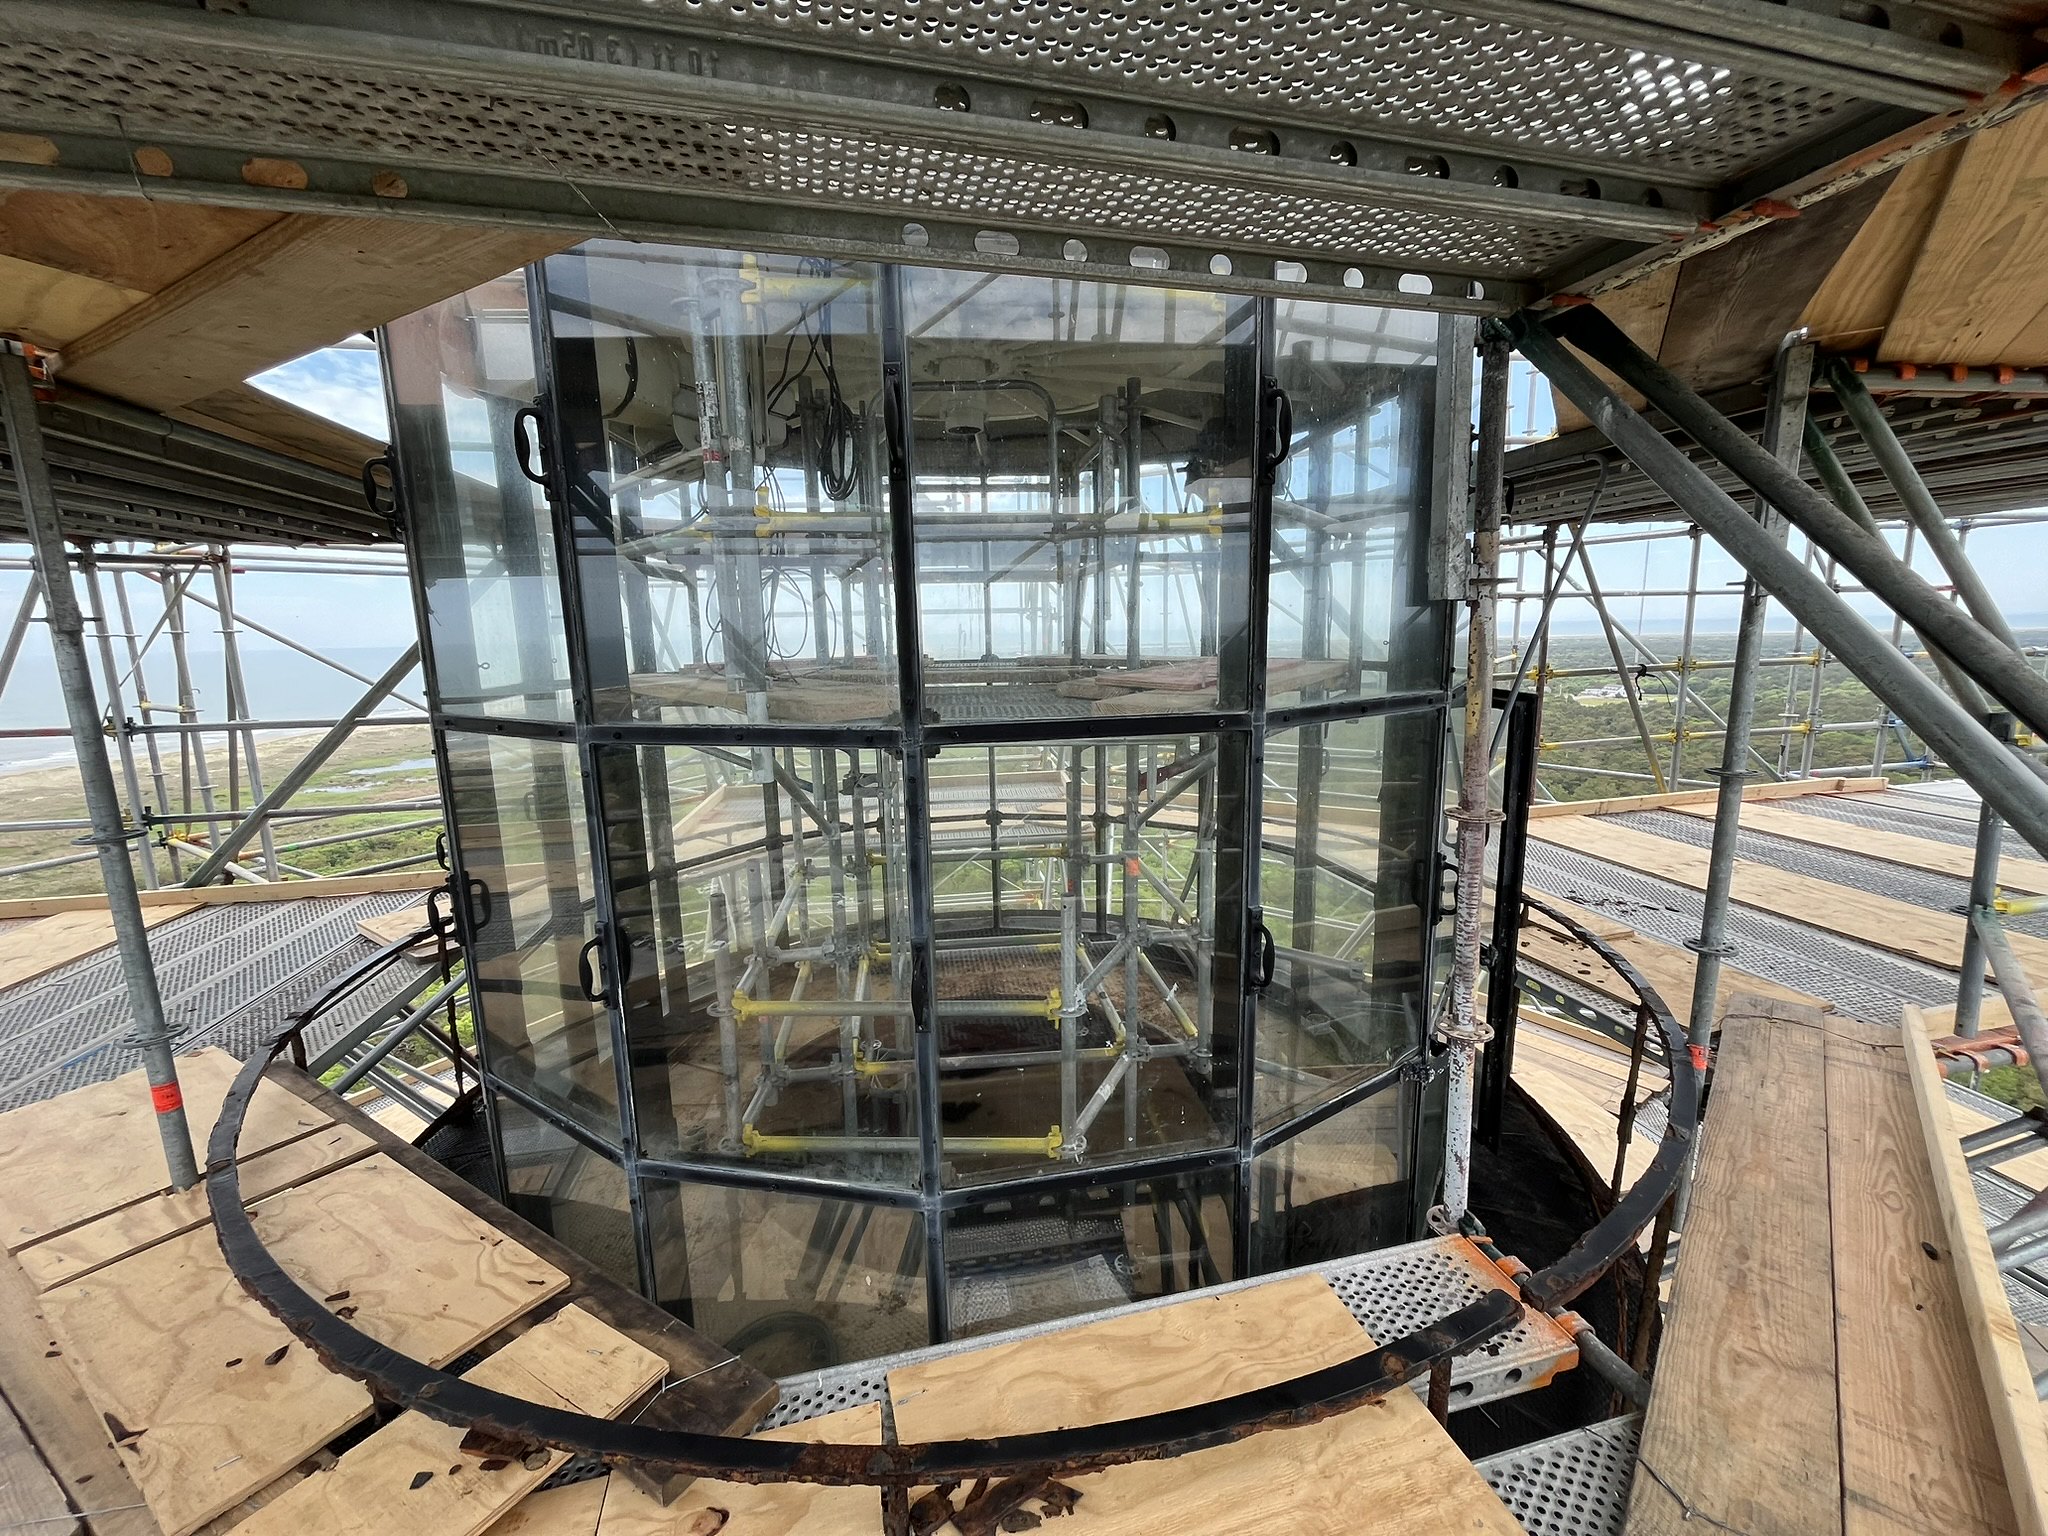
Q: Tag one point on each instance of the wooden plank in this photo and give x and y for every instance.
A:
(764, 1509)
(1384, 1466)
(69, 1436)
(724, 1395)
(1640, 310)
(570, 1510)
(1788, 789)
(235, 895)
(412, 1475)
(1919, 1453)
(29, 1496)
(1742, 1431)
(393, 926)
(73, 1254)
(2004, 1372)
(125, 241)
(2027, 875)
(402, 1261)
(1898, 927)
(1859, 296)
(1592, 1126)
(299, 284)
(47, 306)
(75, 1157)
(1979, 292)
(48, 942)
(209, 1398)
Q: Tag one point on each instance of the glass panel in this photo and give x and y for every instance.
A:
(1035, 1256)
(789, 1282)
(1338, 1188)
(478, 531)
(575, 1195)
(762, 896)
(1082, 492)
(1068, 879)
(1350, 615)
(1345, 864)
(729, 503)
(519, 819)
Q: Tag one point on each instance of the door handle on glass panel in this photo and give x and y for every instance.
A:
(480, 903)
(1269, 953)
(1279, 416)
(586, 971)
(441, 923)
(380, 493)
(523, 446)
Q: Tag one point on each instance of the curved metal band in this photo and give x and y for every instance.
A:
(1304, 1399)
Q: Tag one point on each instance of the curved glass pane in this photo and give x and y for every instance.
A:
(727, 490)
(1349, 614)
(521, 830)
(1082, 494)
(1340, 1187)
(478, 532)
(761, 896)
(1345, 860)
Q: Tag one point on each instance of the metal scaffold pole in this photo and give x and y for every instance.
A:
(110, 837)
(1464, 1032)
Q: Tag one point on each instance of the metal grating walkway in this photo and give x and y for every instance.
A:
(1574, 1484)
(231, 976)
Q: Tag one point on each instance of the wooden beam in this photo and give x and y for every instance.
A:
(2008, 1385)
(234, 895)
(1788, 789)
(299, 284)
(1742, 1432)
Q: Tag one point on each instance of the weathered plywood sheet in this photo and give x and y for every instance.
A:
(2019, 1422)
(1979, 292)
(207, 1396)
(301, 283)
(412, 1476)
(571, 1510)
(106, 1239)
(77, 1156)
(1787, 789)
(29, 1496)
(1385, 1466)
(1741, 1432)
(41, 946)
(1640, 310)
(1857, 299)
(402, 1261)
(766, 1509)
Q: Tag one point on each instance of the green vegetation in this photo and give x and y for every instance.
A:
(2017, 1086)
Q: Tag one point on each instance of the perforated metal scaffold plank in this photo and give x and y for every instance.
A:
(1461, 157)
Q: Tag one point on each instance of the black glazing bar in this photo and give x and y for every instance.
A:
(1518, 783)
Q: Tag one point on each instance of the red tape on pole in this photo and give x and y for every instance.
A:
(165, 1097)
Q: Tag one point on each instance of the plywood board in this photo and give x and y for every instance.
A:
(1741, 1431)
(1788, 789)
(29, 1496)
(47, 306)
(1592, 1126)
(1919, 1453)
(134, 243)
(72, 1158)
(1979, 292)
(1640, 310)
(1666, 967)
(2004, 1372)
(1859, 296)
(570, 1510)
(412, 1476)
(207, 1396)
(763, 1509)
(69, 1435)
(41, 946)
(2014, 874)
(75, 1253)
(235, 895)
(406, 1264)
(299, 284)
(1385, 1466)
(390, 927)
(256, 416)
(1897, 927)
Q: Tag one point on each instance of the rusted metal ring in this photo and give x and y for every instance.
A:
(413, 1384)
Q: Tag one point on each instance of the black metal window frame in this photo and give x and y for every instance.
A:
(1241, 732)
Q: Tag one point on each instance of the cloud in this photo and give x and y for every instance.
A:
(340, 383)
